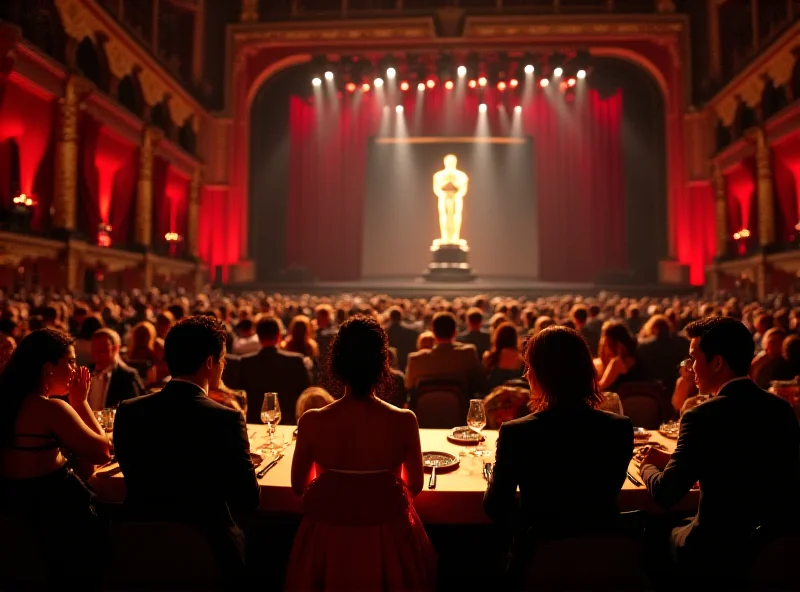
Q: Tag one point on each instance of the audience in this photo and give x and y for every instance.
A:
(148, 428)
(401, 336)
(299, 338)
(425, 341)
(618, 362)
(769, 364)
(83, 341)
(313, 397)
(246, 340)
(475, 335)
(503, 362)
(357, 464)
(113, 381)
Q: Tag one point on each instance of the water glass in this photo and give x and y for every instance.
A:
(476, 420)
(271, 415)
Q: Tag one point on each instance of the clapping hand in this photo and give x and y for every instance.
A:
(79, 387)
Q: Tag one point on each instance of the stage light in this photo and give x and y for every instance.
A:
(581, 74)
(378, 82)
(513, 83)
(473, 83)
(316, 81)
(365, 87)
(399, 109)
(544, 82)
(449, 85)
(482, 107)
(431, 83)
(529, 69)
(328, 75)
(421, 86)
(571, 82)
(462, 71)
(501, 86)
(404, 86)
(518, 109)
(558, 72)
(482, 81)
(351, 87)
(391, 72)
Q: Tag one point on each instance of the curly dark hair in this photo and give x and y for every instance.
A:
(359, 356)
(562, 367)
(22, 375)
(191, 341)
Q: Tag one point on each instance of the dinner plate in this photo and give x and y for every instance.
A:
(670, 430)
(443, 461)
(465, 436)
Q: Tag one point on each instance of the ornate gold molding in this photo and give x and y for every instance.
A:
(374, 30)
(15, 248)
(510, 27)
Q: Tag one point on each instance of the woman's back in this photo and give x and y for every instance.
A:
(33, 450)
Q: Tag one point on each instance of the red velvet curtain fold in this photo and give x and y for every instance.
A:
(578, 169)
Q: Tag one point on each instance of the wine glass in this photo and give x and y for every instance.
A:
(271, 415)
(476, 420)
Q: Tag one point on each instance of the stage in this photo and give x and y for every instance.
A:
(418, 287)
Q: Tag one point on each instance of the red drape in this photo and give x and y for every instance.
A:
(89, 177)
(701, 248)
(177, 198)
(212, 241)
(124, 192)
(741, 186)
(786, 196)
(160, 201)
(579, 182)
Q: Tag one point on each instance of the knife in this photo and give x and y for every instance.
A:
(634, 480)
(266, 469)
(432, 480)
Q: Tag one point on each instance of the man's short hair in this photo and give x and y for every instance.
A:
(269, 329)
(109, 334)
(395, 314)
(727, 338)
(580, 313)
(474, 316)
(191, 341)
(444, 325)
(244, 325)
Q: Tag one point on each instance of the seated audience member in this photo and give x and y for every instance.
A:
(542, 323)
(164, 322)
(313, 397)
(447, 360)
(326, 331)
(36, 432)
(661, 351)
(791, 353)
(150, 431)
(567, 429)
(360, 530)
(618, 360)
(762, 323)
(7, 347)
(113, 381)
(401, 336)
(497, 320)
(504, 361)
(685, 387)
(634, 319)
(770, 364)
(271, 370)
(425, 341)
(83, 342)
(589, 331)
(299, 338)
(141, 352)
(740, 489)
(246, 340)
(482, 340)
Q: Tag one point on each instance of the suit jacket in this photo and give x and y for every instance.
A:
(271, 370)
(452, 361)
(404, 339)
(185, 454)
(743, 446)
(480, 339)
(660, 357)
(569, 464)
(125, 384)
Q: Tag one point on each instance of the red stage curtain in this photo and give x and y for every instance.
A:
(177, 197)
(579, 181)
(124, 191)
(160, 201)
(88, 187)
(785, 192)
(701, 232)
(741, 186)
(212, 241)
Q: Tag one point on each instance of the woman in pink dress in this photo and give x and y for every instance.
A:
(357, 465)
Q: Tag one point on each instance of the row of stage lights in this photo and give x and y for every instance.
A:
(474, 83)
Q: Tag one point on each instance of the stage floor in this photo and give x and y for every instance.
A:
(417, 287)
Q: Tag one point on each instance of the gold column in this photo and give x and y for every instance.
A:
(65, 195)
(718, 181)
(765, 189)
(143, 223)
(193, 213)
(249, 12)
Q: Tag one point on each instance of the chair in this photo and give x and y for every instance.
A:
(643, 402)
(505, 403)
(23, 565)
(439, 404)
(161, 555)
(773, 561)
(611, 402)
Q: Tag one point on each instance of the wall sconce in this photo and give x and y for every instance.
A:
(24, 202)
(104, 235)
(741, 240)
(173, 238)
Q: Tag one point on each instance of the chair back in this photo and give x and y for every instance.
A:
(23, 565)
(505, 403)
(643, 402)
(161, 555)
(439, 404)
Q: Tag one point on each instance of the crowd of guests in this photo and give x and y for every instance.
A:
(346, 369)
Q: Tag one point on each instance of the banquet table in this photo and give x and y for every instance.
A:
(457, 498)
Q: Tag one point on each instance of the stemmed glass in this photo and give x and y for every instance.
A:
(271, 415)
(476, 420)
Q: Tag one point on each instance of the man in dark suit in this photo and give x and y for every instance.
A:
(401, 337)
(661, 352)
(447, 360)
(113, 381)
(271, 370)
(475, 335)
(590, 331)
(742, 446)
(216, 475)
